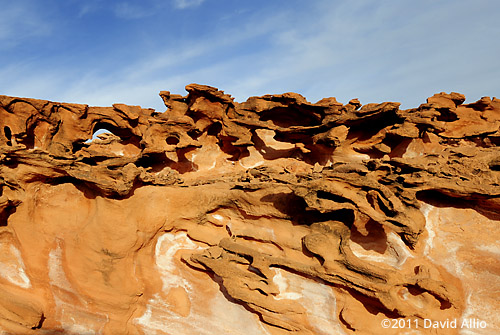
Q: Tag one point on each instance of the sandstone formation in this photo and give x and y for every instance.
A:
(271, 216)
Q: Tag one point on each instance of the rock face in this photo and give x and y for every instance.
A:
(271, 216)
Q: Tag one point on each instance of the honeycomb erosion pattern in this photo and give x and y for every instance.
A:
(271, 216)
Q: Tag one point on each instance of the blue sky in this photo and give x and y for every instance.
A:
(100, 52)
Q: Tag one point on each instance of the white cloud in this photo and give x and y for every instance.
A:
(344, 49)
(127, 10)
(20, 20)
(379, 52)
(86, 7)
(182, 4)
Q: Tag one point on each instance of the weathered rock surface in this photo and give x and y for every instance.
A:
(271, 216)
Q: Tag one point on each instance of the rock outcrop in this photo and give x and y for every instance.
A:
(271, 216)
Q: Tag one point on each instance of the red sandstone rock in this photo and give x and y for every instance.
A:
(271, 216)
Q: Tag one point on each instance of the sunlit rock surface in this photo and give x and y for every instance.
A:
(271, 216)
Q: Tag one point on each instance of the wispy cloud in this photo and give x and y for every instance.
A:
(128, 10)
(20, 20)
(182, 4)
(371, 51)
(193, 60)
(133, 9)
(364, 49)
(87, 7)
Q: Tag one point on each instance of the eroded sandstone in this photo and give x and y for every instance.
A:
(271, 216)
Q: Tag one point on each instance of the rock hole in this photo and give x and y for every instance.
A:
(194, 134)
(256, 271)
(445, 304)
(154, 162)
(415, 290)
(372, 237)
(495, 164)
(214, 129)
(96, 134)
(332, 197)
(172, 140)
(126, 135)
(446, 115)
(8, 135)
(288, 117)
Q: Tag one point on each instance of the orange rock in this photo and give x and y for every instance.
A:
(271, 216)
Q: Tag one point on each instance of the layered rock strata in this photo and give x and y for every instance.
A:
(271, 216)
